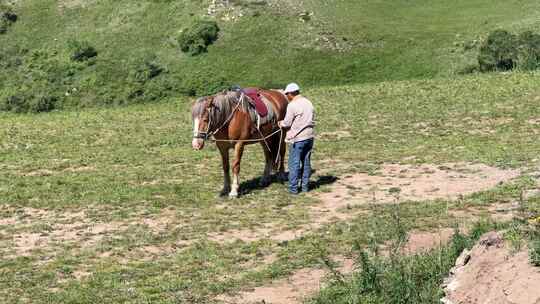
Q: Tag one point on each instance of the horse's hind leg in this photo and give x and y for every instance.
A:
(281, 169)
(224, 151)
(238, 151)
(266, 178)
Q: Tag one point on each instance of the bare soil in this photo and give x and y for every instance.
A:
(43, 229)
(417, 183)
(292, 290)
(412, 183)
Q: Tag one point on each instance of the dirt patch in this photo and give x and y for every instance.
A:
(80, 169)
(292, 290)
(333, 136)
(31, 229)
(40, 173)
(70, 4)
(393, 182)
(417, 183)
(534, 121)
(419, 241)
(490, 273)
(83, 235)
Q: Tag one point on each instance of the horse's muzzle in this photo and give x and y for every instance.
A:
(197, 143)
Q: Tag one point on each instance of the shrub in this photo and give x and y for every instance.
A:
(499, 52)
(81, 51)
(529, 51)
(534, 253)
(196, 39)
(7, 18)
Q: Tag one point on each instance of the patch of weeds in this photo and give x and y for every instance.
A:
(81, 51)
(534, 253)
(399, 279)
(514, 234)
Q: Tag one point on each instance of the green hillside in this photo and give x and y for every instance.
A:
(262, 42)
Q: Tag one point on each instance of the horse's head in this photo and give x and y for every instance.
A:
(202, 121)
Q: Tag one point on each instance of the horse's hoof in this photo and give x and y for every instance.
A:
(264, 182)
(233, 194)
(224, 193)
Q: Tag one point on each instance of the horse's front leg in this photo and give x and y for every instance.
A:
(224, 151)
(238, 151)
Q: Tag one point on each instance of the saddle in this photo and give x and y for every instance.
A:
(256, 101)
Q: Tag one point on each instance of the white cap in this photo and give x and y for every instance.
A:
(292, 87)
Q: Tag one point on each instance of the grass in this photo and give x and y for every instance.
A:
(145, 206)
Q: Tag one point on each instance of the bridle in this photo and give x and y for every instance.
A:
(206, 134)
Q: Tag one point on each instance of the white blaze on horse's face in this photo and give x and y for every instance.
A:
(197, 143)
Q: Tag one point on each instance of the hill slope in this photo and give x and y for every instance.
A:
(262, 42)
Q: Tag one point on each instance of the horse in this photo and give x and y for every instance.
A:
(233, 122)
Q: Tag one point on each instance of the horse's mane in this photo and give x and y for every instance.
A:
(225, 102)
(198, 107)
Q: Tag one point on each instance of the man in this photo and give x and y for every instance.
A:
(299, 121)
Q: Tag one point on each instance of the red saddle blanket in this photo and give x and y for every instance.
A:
(256, 101)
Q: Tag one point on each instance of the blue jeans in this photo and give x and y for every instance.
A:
(300, 164)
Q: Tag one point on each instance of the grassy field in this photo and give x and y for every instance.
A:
(343, 42)
(112, 205)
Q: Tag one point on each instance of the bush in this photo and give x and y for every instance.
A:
(7, 18)
(499, 52)
(20, 101)
(81, 51)
(529, 51)
(196, 39)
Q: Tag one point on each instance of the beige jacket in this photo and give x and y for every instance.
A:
(300, 119)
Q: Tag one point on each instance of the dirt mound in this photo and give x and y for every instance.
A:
(490, 273)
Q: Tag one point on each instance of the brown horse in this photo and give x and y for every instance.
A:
(233, 122)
